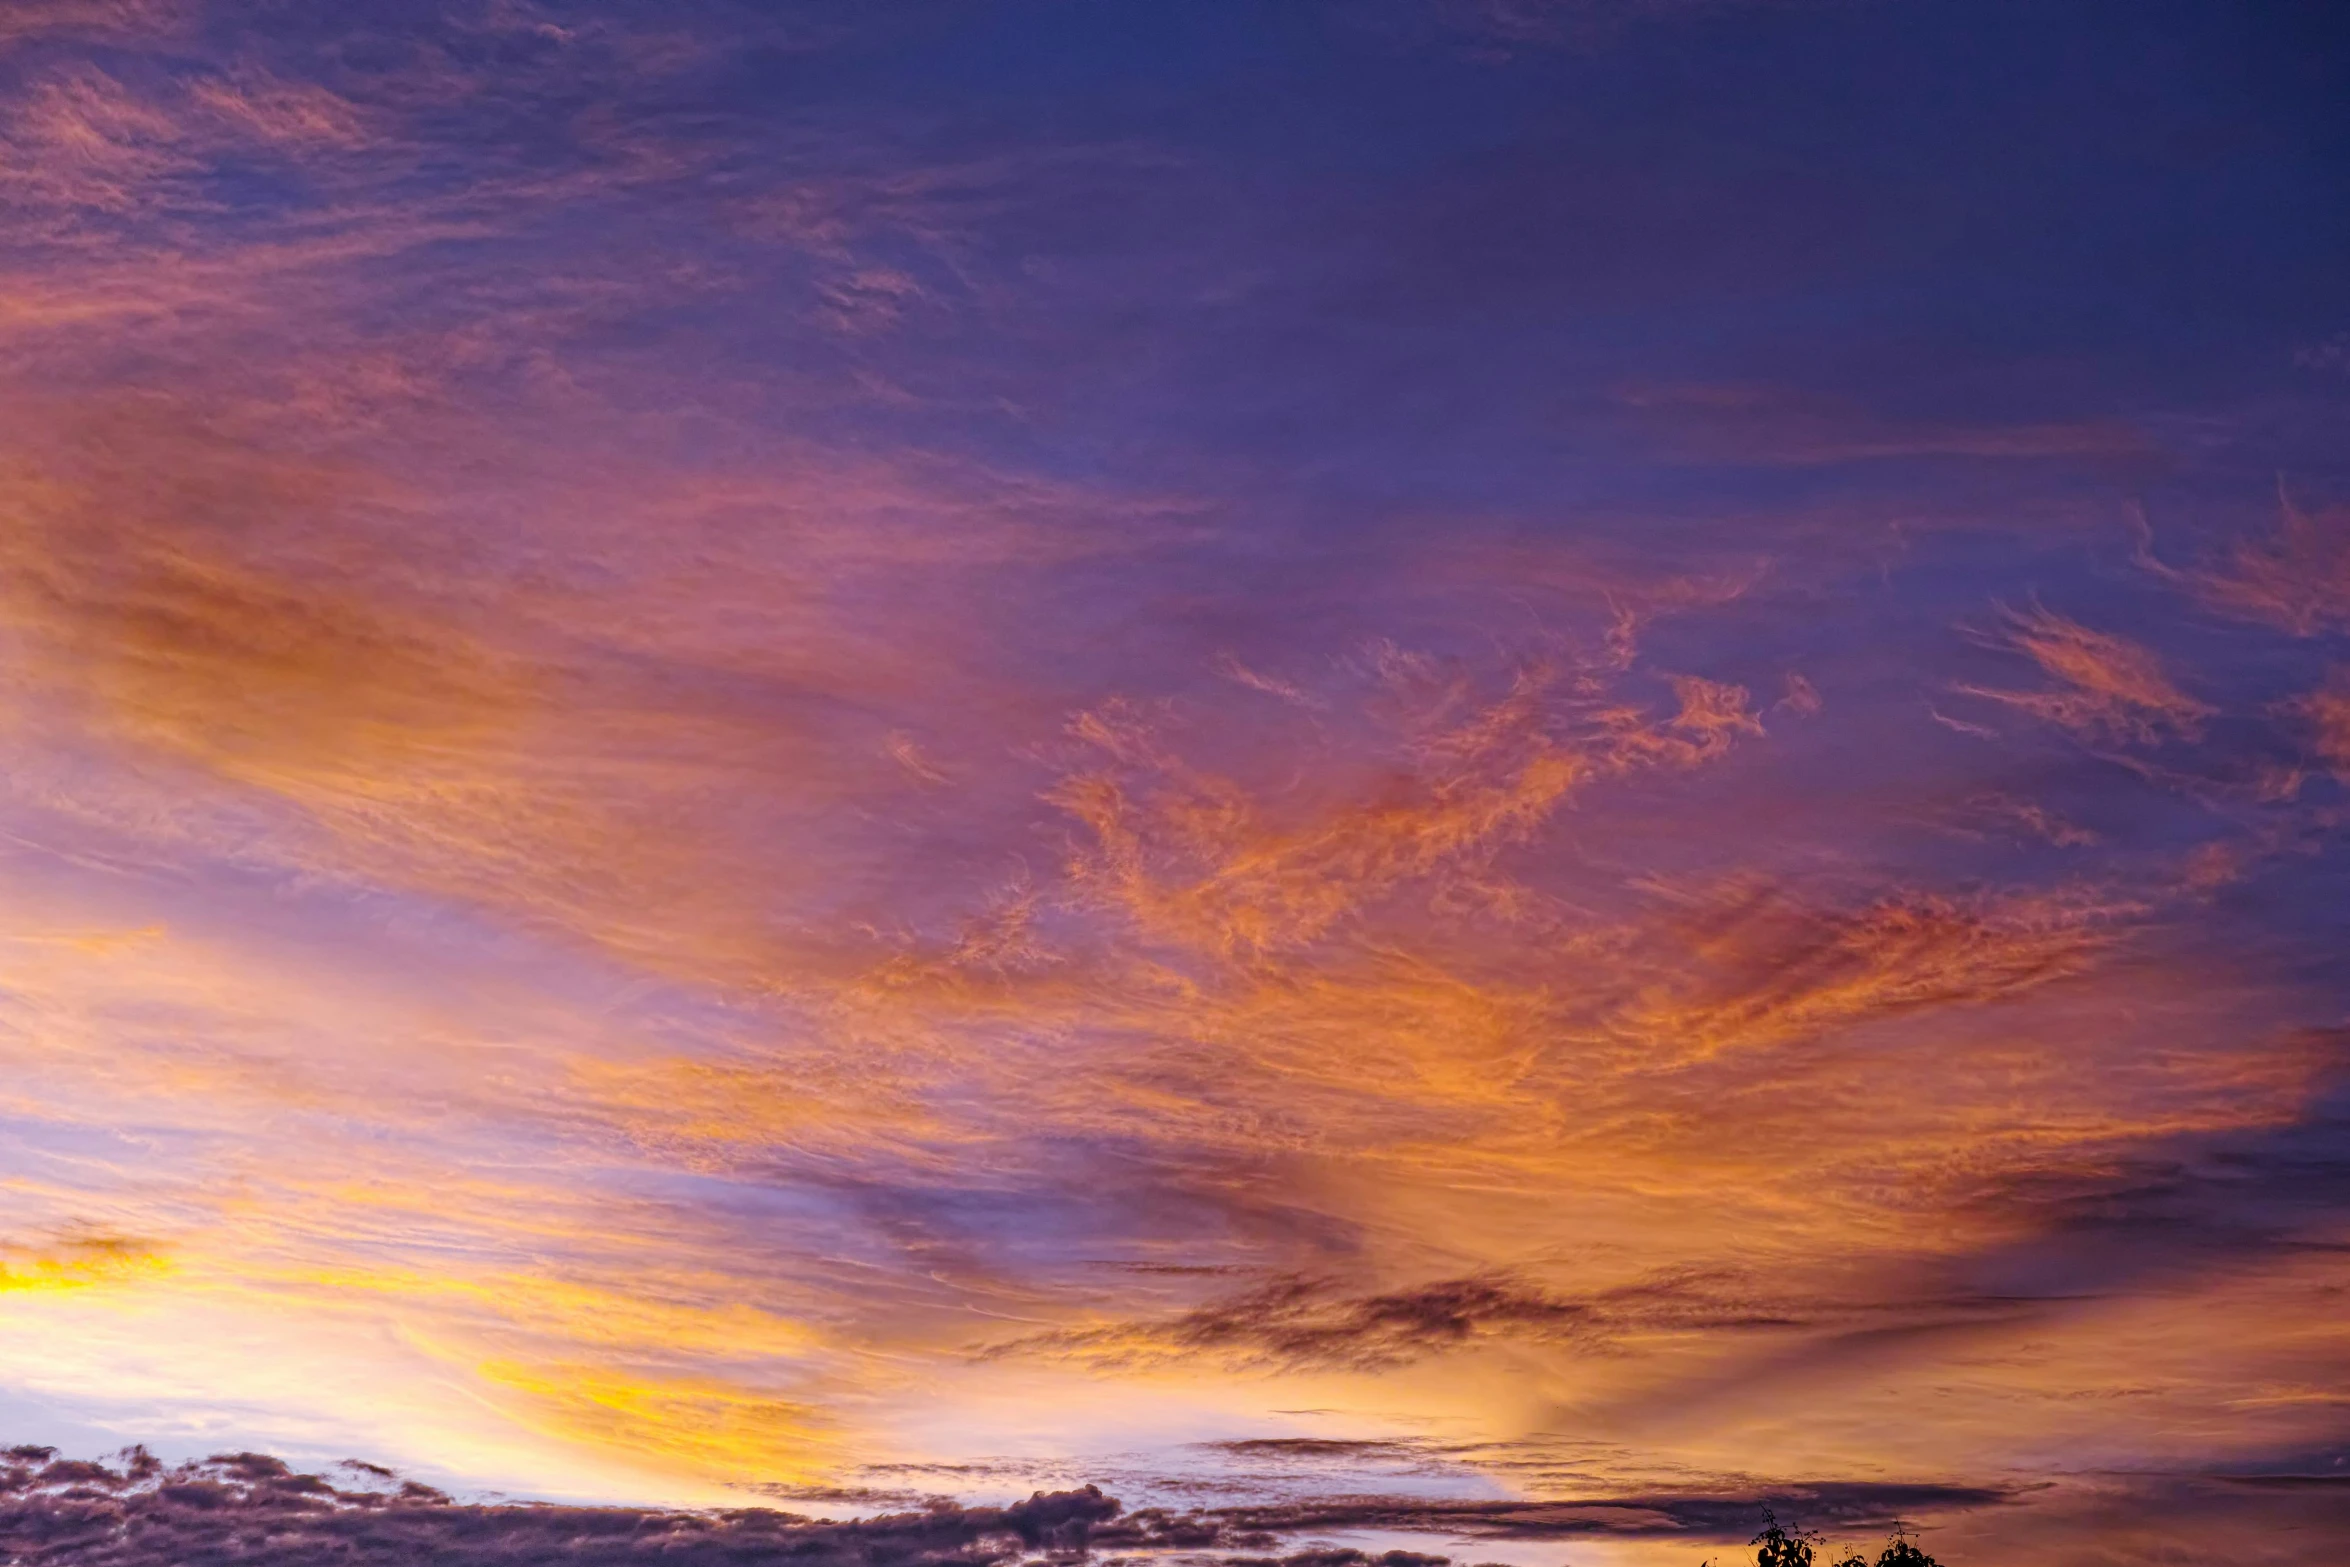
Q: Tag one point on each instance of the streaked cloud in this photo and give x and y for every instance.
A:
(2104, 686)
(2327, 713)
(2297, 580)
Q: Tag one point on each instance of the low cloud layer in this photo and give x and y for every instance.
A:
(251, 1508)
(248, 1507)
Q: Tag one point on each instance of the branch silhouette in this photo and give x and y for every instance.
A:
(1778, 1546)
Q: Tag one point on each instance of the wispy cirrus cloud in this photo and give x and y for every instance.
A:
(2297, 580)
(2107, 686)
(37, 20)
(2327, 713)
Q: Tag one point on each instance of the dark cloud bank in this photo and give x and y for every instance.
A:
(246, 1507)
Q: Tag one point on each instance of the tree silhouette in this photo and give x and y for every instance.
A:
(1779, 1547)
(1898, 1552)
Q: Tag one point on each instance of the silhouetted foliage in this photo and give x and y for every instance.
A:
(1777, 1547)
(1781, 1547)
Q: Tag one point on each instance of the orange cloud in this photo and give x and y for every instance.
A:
(2110, 688)
(2327, 713)
(1195, 861)
(2298, 580)
(49, 19)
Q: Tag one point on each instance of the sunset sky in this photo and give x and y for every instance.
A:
(1463, 751)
